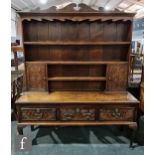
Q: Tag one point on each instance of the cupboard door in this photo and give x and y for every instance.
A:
(117, 75)
(36, 77)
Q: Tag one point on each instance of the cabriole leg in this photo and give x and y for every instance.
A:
(133, 128)
(20, 130)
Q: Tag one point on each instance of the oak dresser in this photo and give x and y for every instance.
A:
(76, 67)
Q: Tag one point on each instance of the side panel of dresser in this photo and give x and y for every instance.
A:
(116, 77)
(36, 77)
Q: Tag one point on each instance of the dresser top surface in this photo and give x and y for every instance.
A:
(76, 97)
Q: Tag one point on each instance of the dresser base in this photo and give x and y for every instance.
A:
(77, 109)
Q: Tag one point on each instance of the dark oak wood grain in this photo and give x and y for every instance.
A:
(36, 77)
(117, 77)
(76, 43)
(76, 59)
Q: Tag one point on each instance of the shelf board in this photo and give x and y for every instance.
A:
(78, 62)
(77, 43)
(77, 78)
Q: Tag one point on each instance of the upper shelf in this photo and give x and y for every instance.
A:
(77, 43)
(76, 78)
(77, 62)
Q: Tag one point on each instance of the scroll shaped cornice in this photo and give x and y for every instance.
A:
(75, 12)
(74, 8)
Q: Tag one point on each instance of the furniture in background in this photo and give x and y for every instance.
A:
(16, 49)
(141, 105)
(136, 60)
(16, 89)
(76, 67)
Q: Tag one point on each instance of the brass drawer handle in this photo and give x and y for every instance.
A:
(38, 116)
(67, 118)
(77, 110)
(38, 110)
(68, 114)
(116, 113)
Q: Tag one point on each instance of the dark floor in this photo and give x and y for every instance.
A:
(105, 140)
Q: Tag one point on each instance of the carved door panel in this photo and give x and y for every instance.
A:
(36, 77)
(116, 75)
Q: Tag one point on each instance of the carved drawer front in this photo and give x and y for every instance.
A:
(77, 114)
(38, 113)
(111, 114)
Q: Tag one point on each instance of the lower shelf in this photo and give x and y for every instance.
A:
(76, 85)
(77, 79)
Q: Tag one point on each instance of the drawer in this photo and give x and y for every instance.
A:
(77, 114)
(117, 113)
(38, 113)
